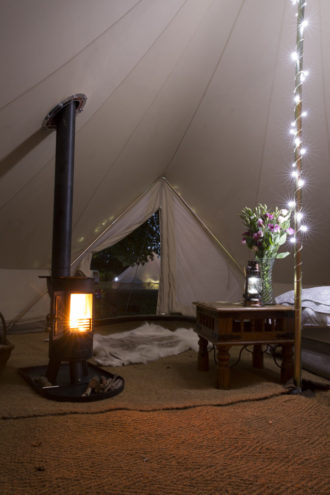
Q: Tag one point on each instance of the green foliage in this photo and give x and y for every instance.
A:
(267, 230)
(137, 248)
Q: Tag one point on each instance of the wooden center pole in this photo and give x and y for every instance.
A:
(298, 152)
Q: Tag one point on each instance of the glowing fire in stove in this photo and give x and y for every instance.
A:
(81, 307)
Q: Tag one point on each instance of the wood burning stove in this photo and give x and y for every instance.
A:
(71, 326)
(68, 375)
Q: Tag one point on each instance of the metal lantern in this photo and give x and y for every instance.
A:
(253, 284)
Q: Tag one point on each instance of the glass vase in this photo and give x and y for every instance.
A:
(266, 273)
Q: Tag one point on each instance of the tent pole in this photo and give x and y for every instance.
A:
(298, 152)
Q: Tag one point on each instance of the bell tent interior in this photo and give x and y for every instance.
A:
(187, 110)
(198, 93)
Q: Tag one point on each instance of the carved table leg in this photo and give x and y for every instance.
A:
(287, 367)
(258, 357)
(203, 355)
(223, 369)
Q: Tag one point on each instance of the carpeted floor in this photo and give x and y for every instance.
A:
(169, 382)
(169, 432)
(277, 446)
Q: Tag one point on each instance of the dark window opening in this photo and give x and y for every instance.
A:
(129, 273)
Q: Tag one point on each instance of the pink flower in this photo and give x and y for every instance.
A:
(260, 222)
(290, 231)
(243, 241)
(277, 228)
(269, 216)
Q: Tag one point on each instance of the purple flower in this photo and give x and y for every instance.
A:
(269, 216)
(271, 226)
(260, 222)
(290, 231)
(243, 241)
(277, 228)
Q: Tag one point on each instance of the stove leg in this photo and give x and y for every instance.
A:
(52, 370)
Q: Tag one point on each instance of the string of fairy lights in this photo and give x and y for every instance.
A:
(296, 125)
(297, 173)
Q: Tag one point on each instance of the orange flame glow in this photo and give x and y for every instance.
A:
(81, 307)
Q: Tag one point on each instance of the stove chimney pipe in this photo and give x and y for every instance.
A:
(63, 191)
(63, 119)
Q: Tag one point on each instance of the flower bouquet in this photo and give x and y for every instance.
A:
(266, 232)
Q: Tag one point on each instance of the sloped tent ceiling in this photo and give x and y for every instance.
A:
(197, 91)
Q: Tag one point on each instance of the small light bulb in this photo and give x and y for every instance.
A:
(303, 75)
(301, 183)
(303, 228)
(294, 165)
(291, 204)
(293, 132)
(303, 25)
(293, 240)
(293, 124)
(299, 216)
(297, 99)
(304, 114)
(294, 173)
(303, 151)
(294, 56)
(297, 141)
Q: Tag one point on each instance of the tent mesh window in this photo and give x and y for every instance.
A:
(129, 273)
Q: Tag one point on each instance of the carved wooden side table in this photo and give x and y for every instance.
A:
(228, 324)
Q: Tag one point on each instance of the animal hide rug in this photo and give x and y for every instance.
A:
(146, 343)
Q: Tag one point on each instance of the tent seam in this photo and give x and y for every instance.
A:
(132, 133)
(73, 57)
(204, 226)
(170, 162)
(323, 80)
(258, 182)
(48, 162)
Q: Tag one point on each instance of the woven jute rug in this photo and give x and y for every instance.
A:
(277, 446)
(171, 382)
(169, 432)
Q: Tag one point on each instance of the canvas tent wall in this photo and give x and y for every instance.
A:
(197, 91)
(142, 274)
(193, 265)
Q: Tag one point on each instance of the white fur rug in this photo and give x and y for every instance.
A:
(146, 343)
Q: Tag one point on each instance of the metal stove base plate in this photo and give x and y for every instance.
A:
(64, 390)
